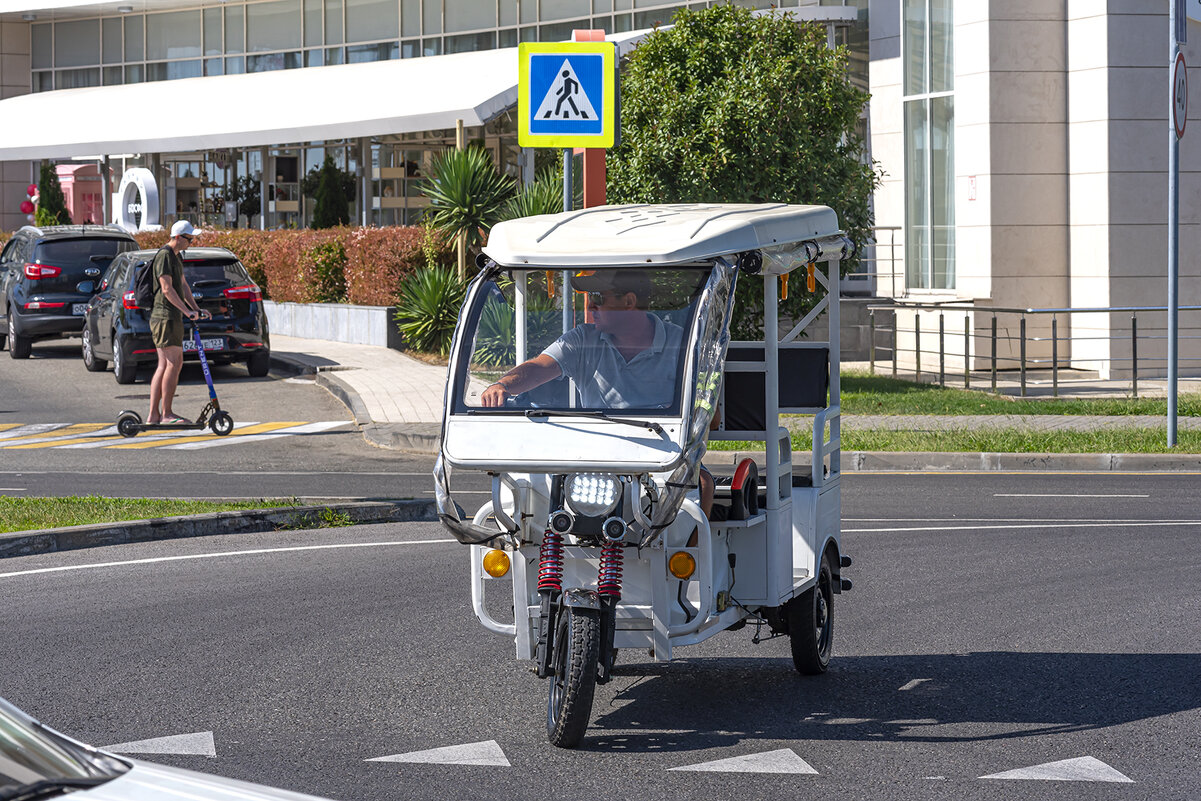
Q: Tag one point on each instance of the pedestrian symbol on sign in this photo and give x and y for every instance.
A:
(564, 100)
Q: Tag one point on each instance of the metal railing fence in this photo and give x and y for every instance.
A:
(1041, 346)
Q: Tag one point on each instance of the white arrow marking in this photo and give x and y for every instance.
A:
(1081, 769)
(485, 753)
(781, 761)
(199, 744)
(911, 684)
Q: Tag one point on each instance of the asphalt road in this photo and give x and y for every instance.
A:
(997, 623)
(54, 388)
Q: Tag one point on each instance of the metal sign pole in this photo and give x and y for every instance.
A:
(1175, 23)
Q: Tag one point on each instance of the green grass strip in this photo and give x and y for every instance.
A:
(25, 514)
(863, 393)
(1114, 440)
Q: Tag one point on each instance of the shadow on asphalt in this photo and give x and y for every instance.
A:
(961, 698)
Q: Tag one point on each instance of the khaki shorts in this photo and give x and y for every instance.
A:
(167, 332)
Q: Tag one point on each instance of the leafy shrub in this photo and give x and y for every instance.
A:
(326, 264)
(303, 266)
(427, 308)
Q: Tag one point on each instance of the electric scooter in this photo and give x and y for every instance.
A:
(129, 422)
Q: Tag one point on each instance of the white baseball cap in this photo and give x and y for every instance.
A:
(185, 228)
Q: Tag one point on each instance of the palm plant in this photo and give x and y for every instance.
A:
(427, 308)
(543, 196)
(466, 194)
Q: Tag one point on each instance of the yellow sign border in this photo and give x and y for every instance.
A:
(608, 134)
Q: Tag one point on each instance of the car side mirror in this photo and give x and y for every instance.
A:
(86, 287)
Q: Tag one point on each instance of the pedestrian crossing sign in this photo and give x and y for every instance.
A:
(567, 94)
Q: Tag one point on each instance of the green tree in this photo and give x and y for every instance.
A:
(466, 194)
(728, 107)
(52, 205)
(246, 193)
(332, 202)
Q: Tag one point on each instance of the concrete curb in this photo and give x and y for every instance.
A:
(25, 543)
(413, 437)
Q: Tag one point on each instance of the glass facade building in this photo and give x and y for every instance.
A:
(70, 50)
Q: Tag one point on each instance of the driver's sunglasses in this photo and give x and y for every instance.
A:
(597, 299)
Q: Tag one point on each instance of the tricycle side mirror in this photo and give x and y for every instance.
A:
(86, 287)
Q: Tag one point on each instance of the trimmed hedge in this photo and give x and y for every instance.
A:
(364, 266)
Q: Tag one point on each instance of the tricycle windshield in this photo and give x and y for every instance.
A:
(597, 340)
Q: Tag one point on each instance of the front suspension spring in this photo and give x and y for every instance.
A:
(609, 575)
(550, 562)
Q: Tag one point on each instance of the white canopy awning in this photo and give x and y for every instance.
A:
(264, 108)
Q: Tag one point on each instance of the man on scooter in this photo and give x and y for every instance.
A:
(172, 301)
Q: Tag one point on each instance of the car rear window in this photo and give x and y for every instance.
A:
(215, 270)
(73, 257)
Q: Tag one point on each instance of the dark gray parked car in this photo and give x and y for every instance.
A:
(47, 276)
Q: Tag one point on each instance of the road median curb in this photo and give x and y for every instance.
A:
(952, 462)
(27, 543)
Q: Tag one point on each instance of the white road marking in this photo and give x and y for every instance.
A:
(13, 489)
(26, 430)
(199, 744)
(1048, 524)
(1081, 769)
(485, 753)
(910, 685)
(308, 428)
(1059, 495)
(784, 760)
(221, 553)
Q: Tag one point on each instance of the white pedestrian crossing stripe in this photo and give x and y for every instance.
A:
(197, 744)
(37, 436)
(485, 753)
(783, 760)
(1081, 769)
(566, 98)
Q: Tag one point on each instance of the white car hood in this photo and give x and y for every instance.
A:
(147, 781)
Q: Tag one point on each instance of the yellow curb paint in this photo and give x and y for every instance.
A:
(10, 426)
(238, 432)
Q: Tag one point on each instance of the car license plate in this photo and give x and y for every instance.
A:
(214, 343)
(78, 308)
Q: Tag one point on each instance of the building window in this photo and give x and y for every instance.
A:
(929, 117)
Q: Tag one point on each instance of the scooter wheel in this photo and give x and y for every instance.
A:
(128, 423)
(221, 424)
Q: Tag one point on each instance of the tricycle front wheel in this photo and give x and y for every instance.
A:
(577, 648)
(811, 624)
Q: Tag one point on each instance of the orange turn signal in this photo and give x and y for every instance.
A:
(681, 565)
(496, 563)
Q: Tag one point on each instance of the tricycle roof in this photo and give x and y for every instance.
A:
(628, 235)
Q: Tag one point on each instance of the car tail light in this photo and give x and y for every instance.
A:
(252, 344)
(128, 300)
(248, 292)
(36, 271)
(42, 304)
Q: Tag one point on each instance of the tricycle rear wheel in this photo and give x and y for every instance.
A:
(573, 684)
(811, 624)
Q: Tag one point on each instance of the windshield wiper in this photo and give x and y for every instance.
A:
(650, 426)
(49, 787)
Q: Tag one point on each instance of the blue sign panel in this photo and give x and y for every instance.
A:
(568, 91)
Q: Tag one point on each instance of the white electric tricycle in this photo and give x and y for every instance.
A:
(591, 361)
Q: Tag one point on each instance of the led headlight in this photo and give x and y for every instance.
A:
(593, 494)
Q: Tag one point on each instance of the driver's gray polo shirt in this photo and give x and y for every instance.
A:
(607, 381)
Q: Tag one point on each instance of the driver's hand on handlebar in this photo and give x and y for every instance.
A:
(494, 395)
(200, 314)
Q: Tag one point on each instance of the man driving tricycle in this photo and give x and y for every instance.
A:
(591, 357)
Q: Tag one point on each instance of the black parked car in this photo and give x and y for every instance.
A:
(116, 330)
(48, 275)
